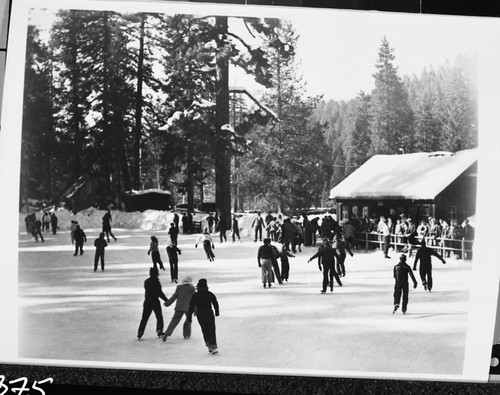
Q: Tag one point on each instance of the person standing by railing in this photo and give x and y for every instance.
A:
(468, 232)
(384, 230)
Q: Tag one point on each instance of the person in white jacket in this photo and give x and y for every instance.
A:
(208, 244)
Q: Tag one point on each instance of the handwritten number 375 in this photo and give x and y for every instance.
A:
(4, 388)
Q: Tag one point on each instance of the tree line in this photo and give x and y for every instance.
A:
(132, 98)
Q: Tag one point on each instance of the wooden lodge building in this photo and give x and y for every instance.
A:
(438, 184)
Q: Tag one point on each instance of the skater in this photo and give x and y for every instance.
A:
(182, 295)
(298, 237)
(37, 231)
(287, 230)
(258, 224)
(72, 228)
(341, 248)
(211, 222)
(106, 225)
(236, 229)
(176, 221)
(208, 244)
(326, 257)
(265, 258)
(155, 253)
(222, 229)
(285, 264)
(276, 267)
(202, 301)
(384, 229)
(173, 260)
(401, 272)
(424, 255)
(173, 233)
(185, 223)
(53, 223)
(99, 244)
(80, 238)
(46, 221)
(153, 291)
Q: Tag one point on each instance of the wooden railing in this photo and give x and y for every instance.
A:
(453, 246)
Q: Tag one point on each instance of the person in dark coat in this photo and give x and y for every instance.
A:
(468, 235)
(176, 221)
(274, 262)
(287, 231)
(99, 244)
(236, 229)
(153, 292)
(269, 218)
(106, 225)
(80, 238)
(185, 223)
(211, 222)
(222, 226)
(401, 287)
(37, 230)
(265, 259)
(326, 262)
(46, 221)
(155, 253)
(314, 229)
(342, 247)
(173, 232)
(258, 225)
(173, 260)
(190, 223)
(424, 255)
(53, 223)
(202, 301)
(306, 224)
(183, 294)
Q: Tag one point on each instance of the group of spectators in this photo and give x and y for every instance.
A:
(407, 233)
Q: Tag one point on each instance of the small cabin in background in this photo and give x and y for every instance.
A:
(438, 184)
(87, 191)
(149, 199)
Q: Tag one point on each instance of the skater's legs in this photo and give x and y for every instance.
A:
(146, 312)
(159, 317)
(176, 318)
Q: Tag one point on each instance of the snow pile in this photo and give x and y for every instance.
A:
(91, 218)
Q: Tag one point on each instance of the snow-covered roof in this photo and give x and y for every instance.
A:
(146, 191)
(418, 176)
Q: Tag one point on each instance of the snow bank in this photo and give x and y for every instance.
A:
(148, 220)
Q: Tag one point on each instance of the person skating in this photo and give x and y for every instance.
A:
(106, 225)
(173, 233)
(203, 300)
(285, 264)
(173, 261)
(155, 253)
(236, 229)
(401, 287)
(210, 222)
(80, 238)
(274, 262)
(326, 262)
(258, 224)
(424, 255)
(183, 293)
(38, 230)
(208, 244)
(53, 223)
(342, 247)
(153, 293)
(46, 221)
(265, 258)
(222, 226)
(72, 231)
(99, 244)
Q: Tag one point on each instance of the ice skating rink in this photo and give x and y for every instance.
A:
(69, 312)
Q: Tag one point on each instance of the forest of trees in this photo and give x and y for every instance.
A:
(133, 99)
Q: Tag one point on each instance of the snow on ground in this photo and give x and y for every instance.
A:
(70, 312)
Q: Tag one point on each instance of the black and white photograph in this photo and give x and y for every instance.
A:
(268, 190)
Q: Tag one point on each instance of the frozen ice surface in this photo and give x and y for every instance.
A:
(69, 312)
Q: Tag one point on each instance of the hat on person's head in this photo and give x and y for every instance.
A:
(267, 240)
(187, 280)
(153, 272)
(402, 258)
(202, 283)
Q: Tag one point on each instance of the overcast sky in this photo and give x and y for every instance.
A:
(338, 49)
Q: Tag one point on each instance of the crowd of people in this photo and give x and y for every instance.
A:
(281, 238)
